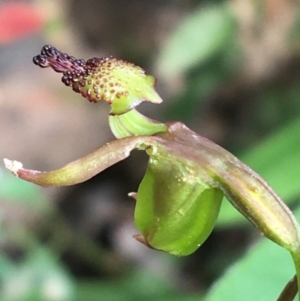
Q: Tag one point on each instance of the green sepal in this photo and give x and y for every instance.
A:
(138, 87)
(175, 210)
(84, 168)
(133, 123)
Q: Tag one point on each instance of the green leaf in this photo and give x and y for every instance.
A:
(260, 275)
(7, 267)
(138, 285)
(14, 190)
(39, 277)
(204, 33)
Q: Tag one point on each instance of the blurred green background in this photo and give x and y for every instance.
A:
(229, 69)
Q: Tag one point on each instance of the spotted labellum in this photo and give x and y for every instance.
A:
(121, 84)
(179, 198)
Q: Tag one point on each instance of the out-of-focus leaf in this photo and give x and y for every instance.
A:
(19, 198)
(277, 160)
(182, 298)
(139, 285)
(38, 277)
(260, 275)
(277, 146)
(256, 277)
(6, 267)
(201, 83)
(12, 189)
(204, 33)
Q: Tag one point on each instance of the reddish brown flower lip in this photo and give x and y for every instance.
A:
(75, 71)
(94, 79)
(57, 60)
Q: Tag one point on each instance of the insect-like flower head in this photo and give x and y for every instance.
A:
(121, 84)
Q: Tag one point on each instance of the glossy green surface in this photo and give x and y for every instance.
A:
(175, 212)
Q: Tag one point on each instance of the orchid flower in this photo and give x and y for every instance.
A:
(179, 198)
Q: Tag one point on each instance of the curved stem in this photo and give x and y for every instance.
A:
(290, 290)
(296, 259)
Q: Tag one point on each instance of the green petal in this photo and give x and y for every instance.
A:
(175, 211)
